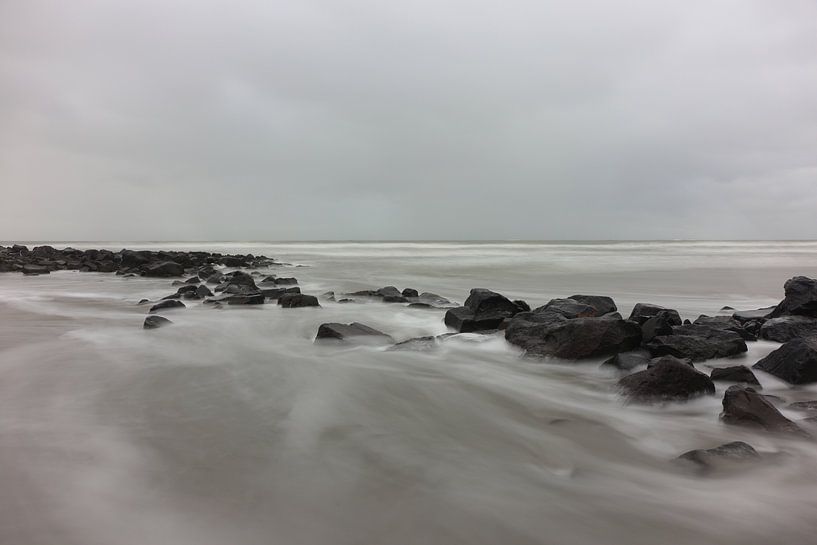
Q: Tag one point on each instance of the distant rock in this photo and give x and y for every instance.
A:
(735, 373)
(203, 291)
(155, 322)
(354, 331)
(297, 300)
(33, 270)
(669, 379)
(787, 328)
(743, 406)
(167, 304)
(794, 362)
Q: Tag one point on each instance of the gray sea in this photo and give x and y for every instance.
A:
(231, 427)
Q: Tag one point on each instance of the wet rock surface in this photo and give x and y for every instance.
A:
(668, 379)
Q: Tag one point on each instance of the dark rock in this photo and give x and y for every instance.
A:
(215, 278)
(566, 308)
(669, 379)
(805, 406)
(726, 323)
(143, 301)
(743, 406)
(795, 362)
(787, 328)
(644, 311)
(285, 281)
(697, 342)
(800, 299)
(155, 322)
(602, 303)
(297, 300)
(410, 293)
(203, 291)
(483, 310)
(388, 291)
(273, 293)
(660, 324)
(35, 269)
(167, 304)
(735, 373)
(575, 338)
(345, 332)
(521, 305)
(433, 299)
(346, 300)
(394, 299)
(626, 361)
(707, 459)
(193, 280)
(760, 314)
(726, 308)
(165, 269)
(365, 293)
(329, 295)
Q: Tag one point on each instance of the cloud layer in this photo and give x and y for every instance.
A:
(331, 119)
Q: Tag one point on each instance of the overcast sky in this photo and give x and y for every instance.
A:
(421, 119)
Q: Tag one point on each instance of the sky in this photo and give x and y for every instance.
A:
(429, 120)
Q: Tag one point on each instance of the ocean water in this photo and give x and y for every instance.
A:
(233, 427)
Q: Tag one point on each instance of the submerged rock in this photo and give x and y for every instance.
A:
(167, 304)
(297, 300)
(743, 406)
(155, 322)
(345, 332)
(795, 362)
(708, 459)
(735, 373)
(668, 379)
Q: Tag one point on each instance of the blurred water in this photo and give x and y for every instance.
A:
(231, 426)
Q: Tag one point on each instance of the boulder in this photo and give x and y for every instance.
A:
(410, 293)
(644, 311)
(707, 459)
(394, 299)
(388, 290)
(660, 324)
(575, 338)
(743, 406)
(726, 323)
(735, 373)
(203, 291)
(354, 331)
(669, 379)
(483, 310)
(602, 303)
(794, 362)
(800, 299)
(697, 343)
(626, 361)
(165, 269)
(787, 328)
(155, 322)
(297, 300)
(167, 304)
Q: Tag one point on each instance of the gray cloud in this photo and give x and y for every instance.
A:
(324, 119)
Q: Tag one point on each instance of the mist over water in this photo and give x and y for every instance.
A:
(232, 426)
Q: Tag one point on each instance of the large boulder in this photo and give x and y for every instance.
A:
(483, 310)
(726, 323)
(743, 406)
(165, 269)
(155, 322)
(787, 328)
(644, 311)
(795, 361)
(575, 338)
(668, 379)
(297, 300)
(697, 343)
(354, 331)
(800, 299)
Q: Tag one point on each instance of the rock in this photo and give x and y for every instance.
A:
(566, 308)
(576, 338)
(193, 280)
(420, 344)
(410, 293)
(794, 362)
(285, 281)
(297, 300)
(155, 322)
(743, 406)
(736, 451)
(240, 282)
(697, 342)
(805, 406)
(669, 379)
(726, 308)
(626, 361)
(203, 291)
(167, 304)
(521, 305)
(273, 293)
(787, 328)
(215, 278)
(388, 290)
(32, 270)
(165, 269)
(365, 293)
(483, 310)
(800, 299)
(433, 299)
(394, 299)
(602, 303)
(726, 323)
(644, 311)
(660, 324)
(345, 332)
(760, 314)
(735, 373)
(143, 301)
